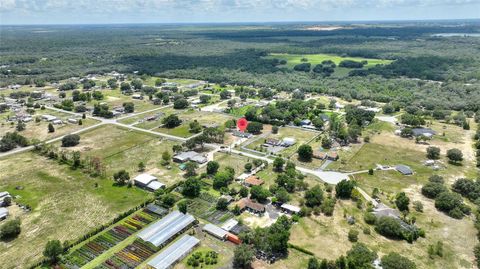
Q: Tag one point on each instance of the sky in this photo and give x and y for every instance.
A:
(193, 11)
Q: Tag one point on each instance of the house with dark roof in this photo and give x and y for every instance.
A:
(423, 131)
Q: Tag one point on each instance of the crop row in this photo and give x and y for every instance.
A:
(110, 238)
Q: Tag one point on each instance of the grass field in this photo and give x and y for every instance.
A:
(39, 130)
(126, 149)
(332, 232)
(65, 203)
(314, 59)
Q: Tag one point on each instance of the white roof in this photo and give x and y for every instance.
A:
(174, 252)
(229, 224)
(161, 231)
(291, 208)
(3, 212)
(4, 194)
(144, 179)
(49, 117)
(155, 185)
(289, 139)
(215, 230)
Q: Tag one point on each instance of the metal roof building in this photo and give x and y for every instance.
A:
(144, 179)
(229, 224)
(167, 258)
(291, 208)
(406, 170)
(163, 230)
(3, 213)
(215, 230)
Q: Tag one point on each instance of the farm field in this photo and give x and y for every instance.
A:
(66, 204)
(127, 149)
(96, 246)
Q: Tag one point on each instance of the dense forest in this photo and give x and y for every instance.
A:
(426, 70)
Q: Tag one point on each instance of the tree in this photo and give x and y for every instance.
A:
(222, 179)
(389, 227)
(313, 263)
(314, 196)
(305, 153)
(121, 177)
(344, 189)
(242, 257)
(455, 155)
(274, 129)
(353, 235)
(259, 193)
(254, 127)
(20, 126)
(222, 204)
(278, 164)
(159, 82)
(191, 187)
(360, 257)
(112, 83)
(433, 189)
(205, 98)
(195, 127)
(190, 169)
(402, 201)
(137, 84)
(448, 202)
(129, 107)
(51, 129)
(212, 167)
(10, 229)
(70, 140)
(125, 87)
(394, 260)
(182, 207)
(171, 121)
(282, 195)
(52, 250)
(248, 167)
(243, 192)
(180, 103)
(141, 166)
(433, 153)
(166, 157)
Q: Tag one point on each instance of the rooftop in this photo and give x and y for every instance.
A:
(215, 230)
(253, 181)
(144, 179)
(174, 252)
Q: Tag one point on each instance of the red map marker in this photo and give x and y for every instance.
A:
(242, 124)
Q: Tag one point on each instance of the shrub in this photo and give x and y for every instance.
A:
(432, 190)
(70, 140)
(353, 235)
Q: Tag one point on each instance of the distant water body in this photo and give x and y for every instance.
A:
(457, 35)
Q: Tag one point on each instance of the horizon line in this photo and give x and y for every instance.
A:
(248, 22)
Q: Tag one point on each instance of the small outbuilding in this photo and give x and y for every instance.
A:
(229, 224)
(405, 170)
(253, 181)
(143, 180)
(155, 185)
(290, 209)
(288, 141)
(215, 231)
(3, 213)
